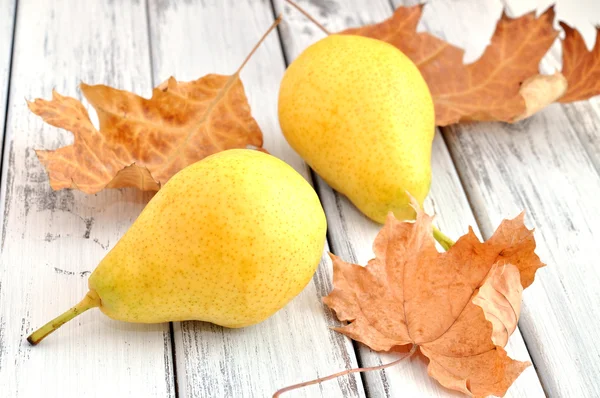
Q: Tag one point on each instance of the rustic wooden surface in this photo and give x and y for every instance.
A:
(548, 165)
(52, 240)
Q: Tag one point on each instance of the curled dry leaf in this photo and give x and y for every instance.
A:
(580, 66)
(540, 91)
(459, 307)
(143, 142)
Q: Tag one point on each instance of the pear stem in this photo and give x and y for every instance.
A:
(90, 300)
(308, 16)
(345, 372)
(442, 239)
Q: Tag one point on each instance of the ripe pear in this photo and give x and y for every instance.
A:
(229, 240)
(360, 114)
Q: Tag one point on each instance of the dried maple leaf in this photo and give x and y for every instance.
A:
(144, 142)
(580, 66)
(459, 307)
(487, 89)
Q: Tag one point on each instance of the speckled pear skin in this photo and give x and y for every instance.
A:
(360, 114)
(228, 240)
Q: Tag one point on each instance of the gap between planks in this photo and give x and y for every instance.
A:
(7, 42)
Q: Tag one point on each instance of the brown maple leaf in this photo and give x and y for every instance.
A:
(487, 89)
(143, 142)
(459, 307)
(580, 66)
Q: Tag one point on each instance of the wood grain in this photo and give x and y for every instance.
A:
(189, 39)
(7, 19)
(549, 165)
(539, 165)
(351, 234)
(52, 240)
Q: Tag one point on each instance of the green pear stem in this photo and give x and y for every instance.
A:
(90, 300)
(442, 239)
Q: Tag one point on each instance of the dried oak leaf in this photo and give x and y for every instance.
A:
(144, 142)
(540, 91)
(459, 307)
(580, 66)
(487, 89)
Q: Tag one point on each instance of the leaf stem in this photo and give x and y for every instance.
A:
(308, 16)
(442, 239)
(221, 93)
(90, 300)
(260, 41)
(345, 372)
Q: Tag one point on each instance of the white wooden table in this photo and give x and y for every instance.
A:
(548, 165)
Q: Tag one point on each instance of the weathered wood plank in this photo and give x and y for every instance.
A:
(539, 165)
(190, 39)
(7, 17)
(52, 240)
(351, 234)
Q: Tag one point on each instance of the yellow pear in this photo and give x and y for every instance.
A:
(360, 114)
(228, 240)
